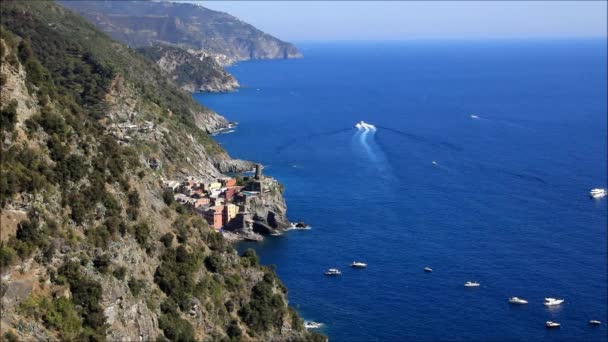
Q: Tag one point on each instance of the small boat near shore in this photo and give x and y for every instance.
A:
(428, 269)
(358, 264)
(551, 324)
(299, 225)
(471, 284)
(552, 301)
(312, 325)
(333, 272)
(594, 322)
(517, 300)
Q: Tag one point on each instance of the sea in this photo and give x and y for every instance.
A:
(480, 167)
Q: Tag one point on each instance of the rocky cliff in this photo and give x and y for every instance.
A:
(202, 31)
(91, 247)
(191, 73)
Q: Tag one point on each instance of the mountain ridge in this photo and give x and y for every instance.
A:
(199, 30)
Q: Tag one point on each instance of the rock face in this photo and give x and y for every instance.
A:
(200, 30)
(191, 73)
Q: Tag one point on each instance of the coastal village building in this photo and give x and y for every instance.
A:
(222, 203)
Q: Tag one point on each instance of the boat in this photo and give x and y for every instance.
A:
(516, 300)
(551, 324)
(434, 162)
(594, 322)
(312, 325)
(553, 301)
(471, 284)
(473, 116)
(333, 271)
(597, 193)
(358, 264)
(362, 125)
(428, 269)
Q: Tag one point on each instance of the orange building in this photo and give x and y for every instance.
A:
(214, 216)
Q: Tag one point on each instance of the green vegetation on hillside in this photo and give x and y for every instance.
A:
(99, 232)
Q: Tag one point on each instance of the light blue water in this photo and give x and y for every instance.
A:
(507, 205)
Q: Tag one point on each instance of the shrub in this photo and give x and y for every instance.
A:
(167, 240)
(265, 310)
(8, 116)
(141, 232)
(102, 263)
(213, 263)
(249, 258)
(233, 331)
(7, 255)
(10, 337)
(86, 295)
(175, 328)
(136, 286)
(168, 196)
(120, 273)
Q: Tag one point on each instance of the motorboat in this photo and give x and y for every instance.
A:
(312, 325)
(597, 193)
(471, 284)
(553, 301)
(428, 269)
(333, 272)
(473, 116)
(516, 300)
(434, 162)
(358, 264)
(362, 125)
(594, 322)
(551, 324)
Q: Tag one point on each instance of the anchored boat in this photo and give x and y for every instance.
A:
(333, 272)
(553, 301)
(516, 300)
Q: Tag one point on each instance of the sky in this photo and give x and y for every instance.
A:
(404, 20)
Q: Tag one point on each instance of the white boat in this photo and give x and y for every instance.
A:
(358, 264)
(428, 269)
(553, 301)
(471, 284)
(473, 116)
(434, 162)
(551, 324)
(312, 325)
(516, 300)
(597, 193)
(333, 271)
(362, 125)
(594, 322)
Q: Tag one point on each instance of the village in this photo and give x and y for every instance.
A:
(223, 203)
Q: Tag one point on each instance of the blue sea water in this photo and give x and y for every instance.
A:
(506, 205)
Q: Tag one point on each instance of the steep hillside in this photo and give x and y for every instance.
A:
(195, 28)
(92, 248)
(191, 73)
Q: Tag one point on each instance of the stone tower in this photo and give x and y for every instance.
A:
(258, 171)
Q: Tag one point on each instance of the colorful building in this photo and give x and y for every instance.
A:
(230, 212)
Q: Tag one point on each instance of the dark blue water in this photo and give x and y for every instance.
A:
(507, 205)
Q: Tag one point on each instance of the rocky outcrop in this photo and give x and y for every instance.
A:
(192, 73)
(234, 165)
(203, 31)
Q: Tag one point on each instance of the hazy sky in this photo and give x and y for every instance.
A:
(369, 20)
